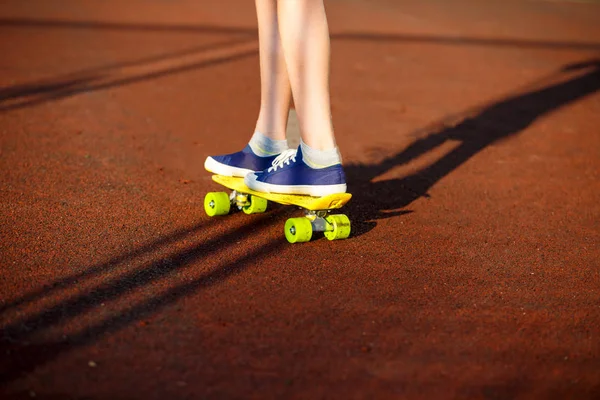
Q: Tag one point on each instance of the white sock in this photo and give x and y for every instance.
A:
(264, 146)
(320, 158)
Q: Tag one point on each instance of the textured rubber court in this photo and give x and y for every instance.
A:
(470, 133)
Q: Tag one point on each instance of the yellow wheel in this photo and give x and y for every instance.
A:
(257, 205)
(298, 230)
(341, 227)
(216, 203)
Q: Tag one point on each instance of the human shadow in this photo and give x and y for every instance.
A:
(374, 200)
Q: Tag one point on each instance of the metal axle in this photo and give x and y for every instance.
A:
(318, 221)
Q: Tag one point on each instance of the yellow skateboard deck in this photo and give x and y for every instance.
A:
(330, 202)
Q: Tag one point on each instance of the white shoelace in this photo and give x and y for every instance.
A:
(283, 158)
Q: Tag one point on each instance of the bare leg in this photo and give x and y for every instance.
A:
(268, 140)
(275, 85)
(306, 46)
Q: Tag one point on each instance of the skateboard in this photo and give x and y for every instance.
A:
(297, 230)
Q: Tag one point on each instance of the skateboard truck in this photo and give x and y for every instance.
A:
(318, 221)
(247, 203)
(239, 199)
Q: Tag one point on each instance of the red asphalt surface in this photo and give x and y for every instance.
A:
(470, 132)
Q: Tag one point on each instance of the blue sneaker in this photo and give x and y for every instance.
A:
(238, 164)
(289, 174)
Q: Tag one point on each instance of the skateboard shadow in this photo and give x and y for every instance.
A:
(21, 354)
(375, 200)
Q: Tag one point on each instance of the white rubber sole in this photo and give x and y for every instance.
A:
(216, 167)
(308, 190)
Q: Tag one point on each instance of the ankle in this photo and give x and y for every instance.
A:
(263, 146)
(317, 158)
